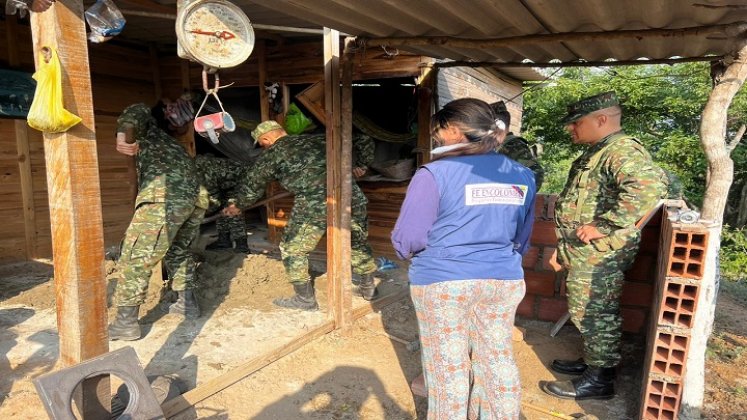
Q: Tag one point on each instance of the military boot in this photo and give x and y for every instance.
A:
(223, 242)
(242, 246)
(595, 383)
(367, 287)
(125, 326)
(304, 298)
(186, 305)
(569, 367)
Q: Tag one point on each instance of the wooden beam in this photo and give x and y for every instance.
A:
(338, 190)
(178, 404)
(727, 30)
(494, 64)
(75, 204)
(426, 84)
(264, 106)
(22, 147)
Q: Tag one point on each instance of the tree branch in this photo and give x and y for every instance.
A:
(730, 146)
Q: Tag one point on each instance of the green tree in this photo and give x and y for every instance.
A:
(662, 106)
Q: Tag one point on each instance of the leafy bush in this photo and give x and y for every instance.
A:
(734, 253)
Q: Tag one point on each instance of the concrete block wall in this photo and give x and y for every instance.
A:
(680, 270)
(546, 296)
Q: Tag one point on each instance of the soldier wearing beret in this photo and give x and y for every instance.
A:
(516, 147)
(610, 187)
(299, 163)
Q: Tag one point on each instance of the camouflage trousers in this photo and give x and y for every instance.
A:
(158, 231)
(307, 225)
(594, 286)
(234, 226)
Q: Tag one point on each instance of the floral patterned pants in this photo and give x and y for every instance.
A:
(468, 362)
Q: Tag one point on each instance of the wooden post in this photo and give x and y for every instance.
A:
(264, 106)
(426, 83)
(721, 169)
(338, 192)
(75, 204)
(22, 146)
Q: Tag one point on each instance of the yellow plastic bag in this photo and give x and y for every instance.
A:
(47, 112)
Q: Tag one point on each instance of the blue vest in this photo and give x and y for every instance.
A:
(484, 200)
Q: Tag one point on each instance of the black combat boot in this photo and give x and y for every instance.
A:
(367, 287)
(304, 298)
(594, 384)
(223, 242)
(186, 304)
(569, 367)
(242, 246)
(125, 326)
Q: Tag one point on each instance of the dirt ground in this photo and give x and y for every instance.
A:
(359, 375)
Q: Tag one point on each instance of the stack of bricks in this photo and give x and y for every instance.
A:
(546, 296)
(682, 251)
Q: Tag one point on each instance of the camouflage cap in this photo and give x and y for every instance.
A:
(265, 127)
(588, 105)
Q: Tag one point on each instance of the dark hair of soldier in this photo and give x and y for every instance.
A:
(475, 119)
(160, 116)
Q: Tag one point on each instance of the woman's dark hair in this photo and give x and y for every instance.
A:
(475, 119)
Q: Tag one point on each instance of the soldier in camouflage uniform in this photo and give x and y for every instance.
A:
(168, 210)
(517, 148)
(221, 177)
(610, 187)
(299, 163)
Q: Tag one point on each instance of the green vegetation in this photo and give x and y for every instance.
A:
(662, 106)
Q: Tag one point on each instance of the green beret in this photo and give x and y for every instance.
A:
(265, 127)
(586, 106)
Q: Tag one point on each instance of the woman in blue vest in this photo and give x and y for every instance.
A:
(465, 223)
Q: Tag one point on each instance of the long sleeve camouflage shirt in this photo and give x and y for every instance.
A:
(165, 171)
(221, 177)
(614, 189)
(517, 148)
(299, 163)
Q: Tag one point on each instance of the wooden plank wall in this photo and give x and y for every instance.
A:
(120, 76)
(454, 83)
(290, 64)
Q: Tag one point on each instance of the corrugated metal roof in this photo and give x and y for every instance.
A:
(491, 19)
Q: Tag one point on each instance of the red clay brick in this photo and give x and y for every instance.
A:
(687, 254)
(678, 304)
(637, 294)
(540, 282)
(543, 233)
(530, 258)
(669, 354)
(526, 307)
(634, 320)
(550, 206)
(643, 269)
(649, 241)
(547, 253)
(539, 207)
(661, 399)
(551, 309)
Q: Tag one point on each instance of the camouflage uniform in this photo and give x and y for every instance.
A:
(517, 148)
(613, 184)
(299, 163)
(168, 210)
(221, 177)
